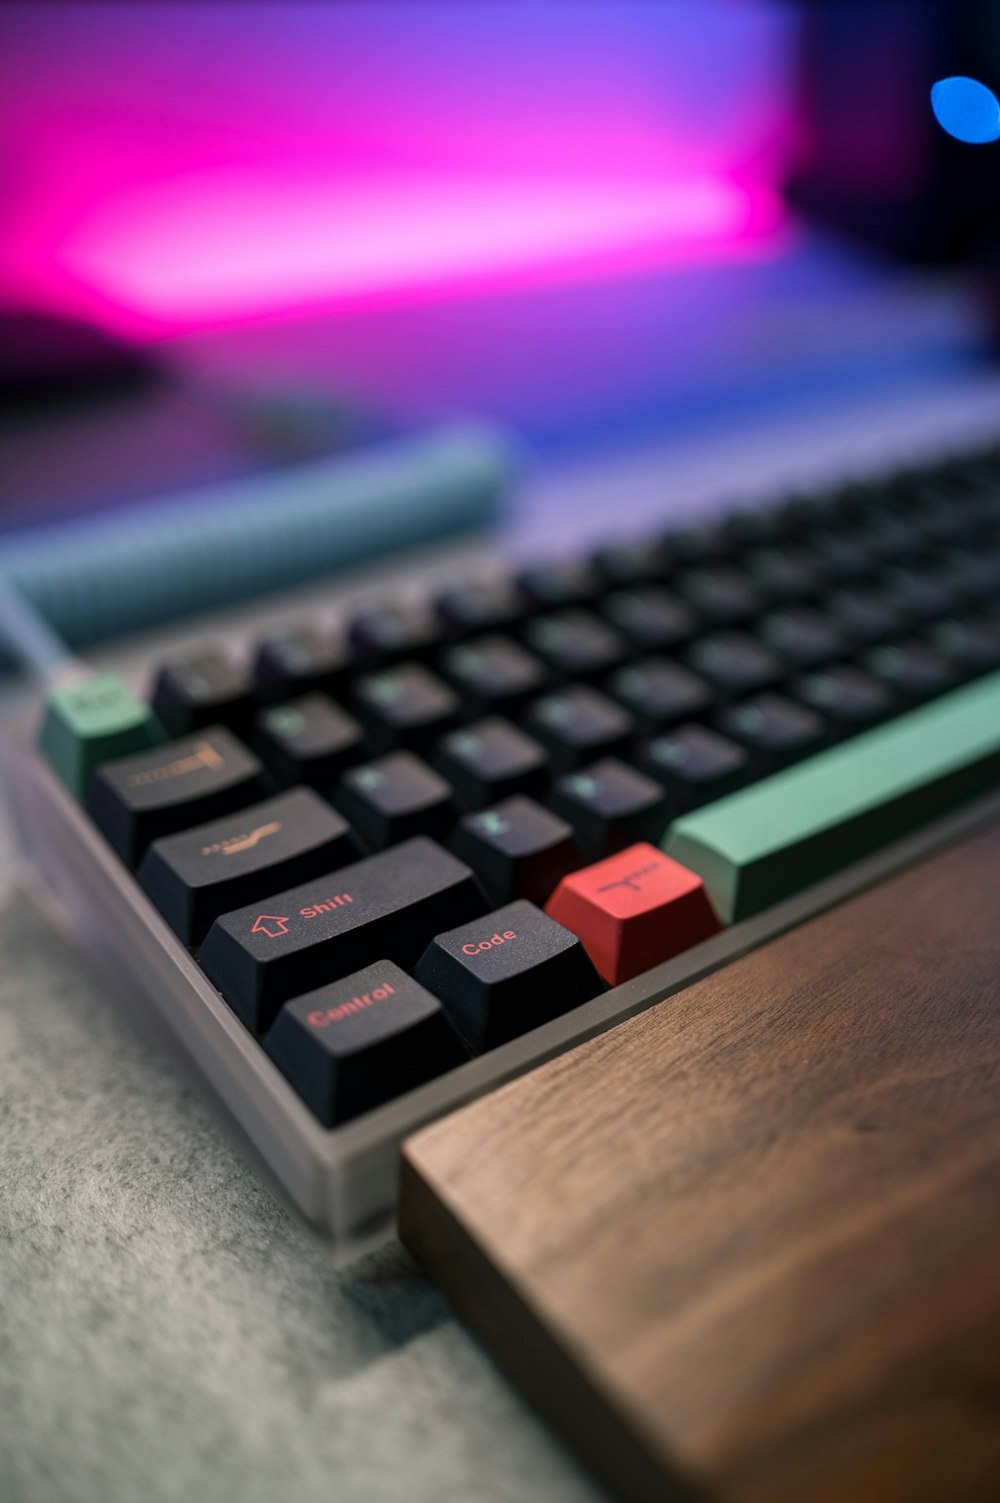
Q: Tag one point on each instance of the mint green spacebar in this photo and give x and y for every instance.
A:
(767, 842)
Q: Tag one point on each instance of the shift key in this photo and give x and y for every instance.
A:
(386, 907)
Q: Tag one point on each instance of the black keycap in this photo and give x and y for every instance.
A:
(357, 1043)
(579, 723)
(972, 644)
(491, 759)
(888, 540)
(974, 576)
(479, 605)
(775, 729)
(782, 575)
(651, 618)
(803, 636)
(700, 543)
(723, 595)
(634, 562)
(207, 687)
(494, 672)
(394, 798)
(913, 669)
(385, 907)
(611, 806)
(517, 850)
(848, 698)
(920, 594)
(696, 765)
(561, 582)
(736, 663)
(660, 693)
(406, 704)
(136, 799)
(382, 633)
(300, 660)
(865, 616)
(309, 740)
(576, 643)
(195, 876)
(504, 974)
(837, 559)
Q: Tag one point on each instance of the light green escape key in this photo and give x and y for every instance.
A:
(89, 722)
(765, 843)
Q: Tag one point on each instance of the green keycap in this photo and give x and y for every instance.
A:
(767, 842)
(90, 722)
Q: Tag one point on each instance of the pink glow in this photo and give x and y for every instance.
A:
(315, 243)
(167, 166)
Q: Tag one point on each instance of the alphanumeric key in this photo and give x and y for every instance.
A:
(135, 799)
(839, 560)
(490, 760)
(382, 633)
(700, 543)
(394, 798)
(478, 605)
(611, 806)
(300, 660)
(633, 562)
(803, 636)
(504, 974)
(782, 575)
(576, 643)
(972, 643)
(724, 596)
(203, 687)
(309, 740)
(848, 699)
(696, 765)
(652, 618)
(920, 594)
(889, 540)
(776, 730)
(560, 582)
(406, 704)
(494, 672)
(517, 849)
(196, 875)
(865, 616)
(352, 1045)
(913, 669)
(974, 575)
(735, 662)
(384, 907)
(660, 693)
(579, 723)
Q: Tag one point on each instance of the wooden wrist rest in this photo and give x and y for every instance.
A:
(746, 1245)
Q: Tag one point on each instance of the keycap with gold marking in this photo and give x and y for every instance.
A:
(243, 857)
(135, 800)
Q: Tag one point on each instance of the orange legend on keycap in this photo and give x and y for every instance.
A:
(633, 911)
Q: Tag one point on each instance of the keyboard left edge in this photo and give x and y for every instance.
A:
(344, 1181)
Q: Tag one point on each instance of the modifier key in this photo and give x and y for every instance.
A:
(385, 907)
(195, 876)
(134, 800)
(352, 1045)
(509, 972)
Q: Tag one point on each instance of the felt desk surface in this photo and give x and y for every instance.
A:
(168, 1333)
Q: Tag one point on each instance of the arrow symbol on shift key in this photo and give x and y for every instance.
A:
(261, 926)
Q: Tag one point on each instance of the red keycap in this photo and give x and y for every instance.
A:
(633, 911)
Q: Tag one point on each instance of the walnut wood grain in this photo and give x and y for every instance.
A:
(747, 1244)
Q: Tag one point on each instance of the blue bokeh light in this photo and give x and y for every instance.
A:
(967, 110)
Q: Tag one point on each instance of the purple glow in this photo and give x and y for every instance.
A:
(173, 167)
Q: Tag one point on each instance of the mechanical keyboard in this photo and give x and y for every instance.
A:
(364, 870)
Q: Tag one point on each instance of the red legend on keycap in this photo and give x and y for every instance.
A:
(633, 911)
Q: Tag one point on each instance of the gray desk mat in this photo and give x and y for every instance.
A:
(167, 1331)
